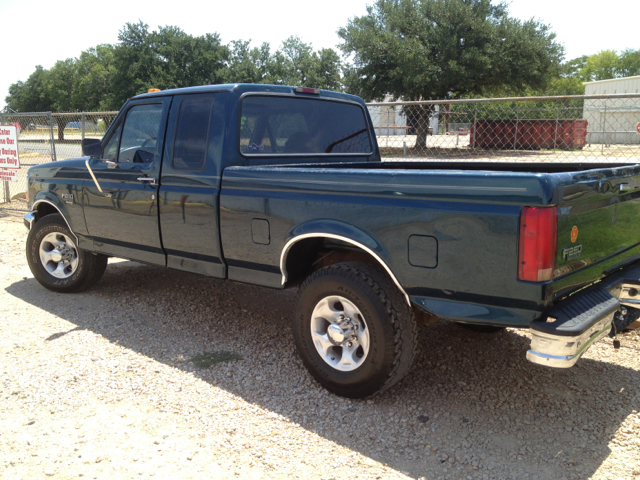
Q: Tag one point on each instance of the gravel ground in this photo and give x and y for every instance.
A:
(103, 385)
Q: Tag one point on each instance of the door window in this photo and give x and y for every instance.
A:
(140, 134)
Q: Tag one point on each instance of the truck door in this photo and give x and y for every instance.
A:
(190, 184)
(121, 210)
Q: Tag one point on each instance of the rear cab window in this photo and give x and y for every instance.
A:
(285, 125)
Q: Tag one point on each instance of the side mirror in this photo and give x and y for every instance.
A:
(91, 147)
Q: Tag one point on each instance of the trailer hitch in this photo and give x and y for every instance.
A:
(621, 320)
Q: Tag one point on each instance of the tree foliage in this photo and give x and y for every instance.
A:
(602, 65)
(628, 63)
(166, 58)
(102, 78)
(438, 49)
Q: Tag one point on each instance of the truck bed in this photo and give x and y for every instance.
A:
(469, 213)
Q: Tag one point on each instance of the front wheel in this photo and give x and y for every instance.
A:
(56, 261)
(354, 330)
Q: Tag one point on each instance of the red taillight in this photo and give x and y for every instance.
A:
(314, 91)
(538, 237)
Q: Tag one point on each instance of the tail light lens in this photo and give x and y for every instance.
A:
(538, 238)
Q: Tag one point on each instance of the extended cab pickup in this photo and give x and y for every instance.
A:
(284, 187)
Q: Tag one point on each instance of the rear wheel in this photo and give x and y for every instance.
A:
(56, 261)
(354, 330)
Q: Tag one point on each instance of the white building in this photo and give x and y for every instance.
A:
(613, 121)
(391, 120)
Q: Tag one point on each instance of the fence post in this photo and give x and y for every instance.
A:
(604, 126)
(555, 136)
(475, 125)
(515, 137)
(53, 143)
(82, 125)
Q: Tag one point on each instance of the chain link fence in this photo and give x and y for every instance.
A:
(582, 129)
(69, 129)
(590, 129)
(35, 146)
(45, 137)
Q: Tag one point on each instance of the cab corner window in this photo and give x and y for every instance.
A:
(284, 125)
(111, 148)
(140, 134)
(190, 145)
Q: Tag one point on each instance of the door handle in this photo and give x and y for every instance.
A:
(149, 180)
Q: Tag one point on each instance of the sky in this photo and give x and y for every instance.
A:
(41, 32)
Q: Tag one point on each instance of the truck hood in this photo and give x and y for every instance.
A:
(53, 169)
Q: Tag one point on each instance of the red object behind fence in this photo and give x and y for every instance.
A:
(529, 134)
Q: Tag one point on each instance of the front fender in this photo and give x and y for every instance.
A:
(44, 201)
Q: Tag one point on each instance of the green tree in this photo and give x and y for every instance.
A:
(104, 77)
(183, 60)
(297, 64)
(628, 63)
(600, 66)
(248, 65)
(61, 81)
(167, 58)
(94, 75)
(31, 95)
(440, 49)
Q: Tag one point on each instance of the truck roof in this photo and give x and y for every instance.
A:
(241, 88)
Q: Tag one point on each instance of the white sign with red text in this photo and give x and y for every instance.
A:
(9, 147)
(8, 175)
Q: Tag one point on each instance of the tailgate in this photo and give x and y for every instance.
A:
(598, 225)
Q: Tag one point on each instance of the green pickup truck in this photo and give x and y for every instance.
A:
(284, 187)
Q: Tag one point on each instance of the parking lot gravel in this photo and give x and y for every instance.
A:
(155, 373)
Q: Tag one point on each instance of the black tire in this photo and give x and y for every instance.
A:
(90, 266)
(481, 328)
(391, 327)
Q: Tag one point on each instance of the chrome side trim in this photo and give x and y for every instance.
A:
(60, 212)
(294, 240)
(86, 162)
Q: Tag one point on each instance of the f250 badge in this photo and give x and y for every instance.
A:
(571, 253)
(67, 197)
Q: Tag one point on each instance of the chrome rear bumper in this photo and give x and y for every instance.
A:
(561, 351)
(577, 322)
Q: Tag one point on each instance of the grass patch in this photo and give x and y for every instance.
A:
(209, 359)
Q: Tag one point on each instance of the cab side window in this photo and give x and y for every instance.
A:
(140, 134)
(190, 146)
